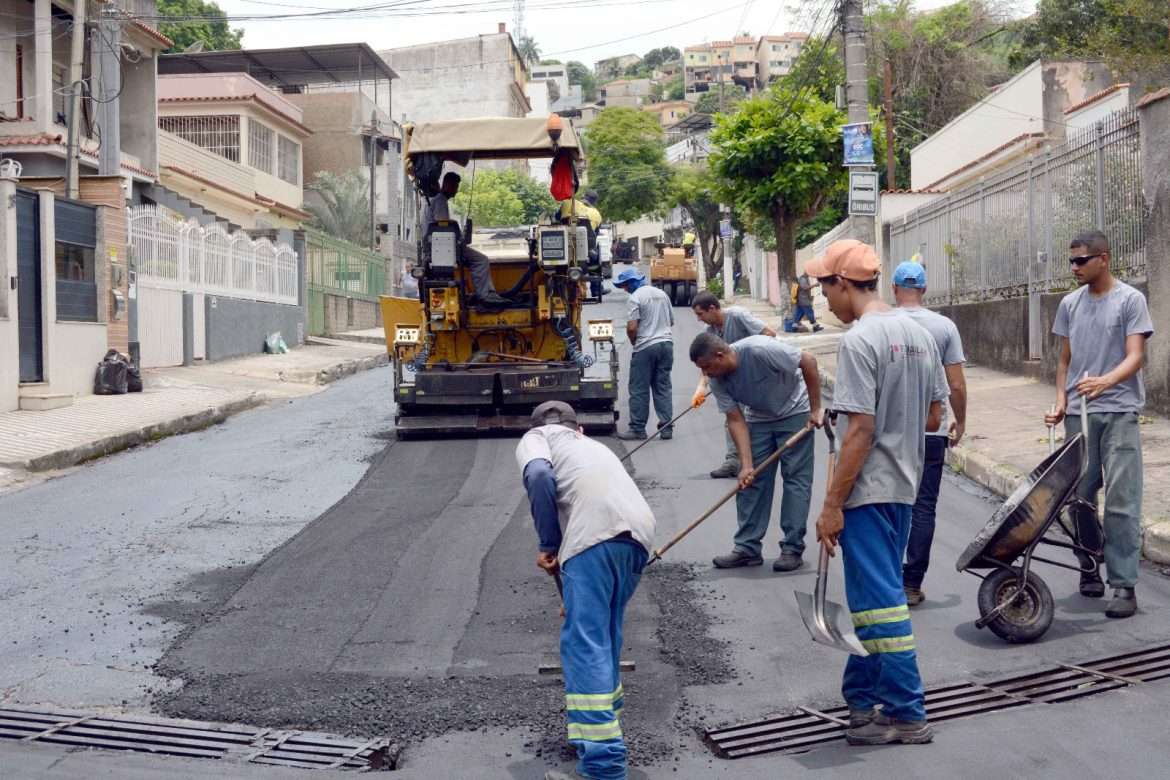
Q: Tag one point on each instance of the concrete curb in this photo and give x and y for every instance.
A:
(1002, 480)
(71, 456)
(335, 372)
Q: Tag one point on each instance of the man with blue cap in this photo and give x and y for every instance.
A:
(649, 319)
(909, 291)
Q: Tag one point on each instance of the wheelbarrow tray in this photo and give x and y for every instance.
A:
(1026, 515)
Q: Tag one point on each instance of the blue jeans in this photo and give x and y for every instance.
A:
(754, 505)
(872, 546)
(923, 514)
(598, 584)
(804, 312)
(650, 373)
(1115, 464)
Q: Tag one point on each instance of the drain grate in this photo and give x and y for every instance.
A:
(808, 729)
(196, 740)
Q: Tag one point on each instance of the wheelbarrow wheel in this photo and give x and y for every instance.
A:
(1028, 617)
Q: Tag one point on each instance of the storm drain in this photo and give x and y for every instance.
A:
(186, 739)
(808, 728)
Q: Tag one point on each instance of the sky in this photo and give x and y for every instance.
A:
(585, 30)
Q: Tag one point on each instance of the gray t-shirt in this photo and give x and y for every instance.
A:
(768, 381)
(888, 367)
(654, 313)
(1096, 329)
(738, 323)
(803, 290)
(950, 348)
(434, 210)
(596, 498)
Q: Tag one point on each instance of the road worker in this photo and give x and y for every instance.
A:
(688, 243)
(909, 291)
(649, 319)
(1103, 328)
(890, 387)
(438, 209)
(731, 325)
(596, 529)
(769, 391)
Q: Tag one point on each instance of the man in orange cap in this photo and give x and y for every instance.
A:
(890, 386)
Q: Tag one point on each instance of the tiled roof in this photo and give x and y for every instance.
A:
(913, 192)
(986, 157)
(1095, 97)
(153, 33)
(1154, 97)
(36, 139)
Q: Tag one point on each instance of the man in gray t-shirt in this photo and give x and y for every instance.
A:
(649, 318)
(1103, 328)
(890, 385)
(731, 325)
(909, 292)
(769, 390)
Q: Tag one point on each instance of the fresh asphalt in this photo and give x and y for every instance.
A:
(297, 567)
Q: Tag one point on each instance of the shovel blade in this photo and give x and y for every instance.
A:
(825, 627)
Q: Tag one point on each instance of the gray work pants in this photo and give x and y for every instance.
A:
(754, 504)
(1115, 464)
(481, 271)
(650, 375)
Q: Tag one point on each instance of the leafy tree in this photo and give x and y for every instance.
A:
(529, 49)
(340, 205)
(695, 190)
(627, 163)
(709, 102)
(656, 58)
(498, 198)
(675, 89)
(212, 29)
(579, 73)
(778, 157)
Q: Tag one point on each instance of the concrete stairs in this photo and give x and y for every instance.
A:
(187, 207)
(36, 398)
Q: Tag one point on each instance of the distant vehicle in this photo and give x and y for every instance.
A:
(605, 250)
(675, 274)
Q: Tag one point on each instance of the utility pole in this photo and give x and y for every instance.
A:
(890, 183)
(856, 90)
(720, 57)
(372, 139)
(76, 67)
(107, 92)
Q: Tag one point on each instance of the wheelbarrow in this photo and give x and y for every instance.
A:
(1014, 602)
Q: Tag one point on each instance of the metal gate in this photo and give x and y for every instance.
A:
(28, 290)
(160, 325)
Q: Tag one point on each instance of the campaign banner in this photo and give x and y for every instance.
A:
(858, 142)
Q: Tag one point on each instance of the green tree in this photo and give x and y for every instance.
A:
(340, 205)
(656, 58)
(579, 73)
(627, 163)
(675, 89)
(778, 157)
(529, 49)
(733, 94)
(695, 190)
(210, 28)
(500, 198)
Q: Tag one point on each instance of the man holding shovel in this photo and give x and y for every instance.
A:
(597, 529)
(890, 386)
(769, 391)
(1103, 328)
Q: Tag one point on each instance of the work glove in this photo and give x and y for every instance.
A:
(698, 399)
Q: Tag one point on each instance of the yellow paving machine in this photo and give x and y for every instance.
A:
(463, 367)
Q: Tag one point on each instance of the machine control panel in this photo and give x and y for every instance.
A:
(406, 334)
(601, 330)
(553, 247)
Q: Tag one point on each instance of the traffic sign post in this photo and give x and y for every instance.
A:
(863, 193)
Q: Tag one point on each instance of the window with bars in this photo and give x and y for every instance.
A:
(217, 134)
(289, 162)
(260, 143)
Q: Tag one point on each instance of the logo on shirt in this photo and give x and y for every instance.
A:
(906, 352)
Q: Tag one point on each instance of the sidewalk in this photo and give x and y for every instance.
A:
(175, 400)
(1006, 437)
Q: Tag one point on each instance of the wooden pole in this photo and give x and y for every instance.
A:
(890, 182)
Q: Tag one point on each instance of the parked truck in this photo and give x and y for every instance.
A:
(675, 274)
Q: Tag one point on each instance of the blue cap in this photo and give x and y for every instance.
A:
(910, 274)
(629, 275)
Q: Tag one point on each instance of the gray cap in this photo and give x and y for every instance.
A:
(554, 413)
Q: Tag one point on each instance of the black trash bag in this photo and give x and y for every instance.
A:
(112, 375)
(133, 378)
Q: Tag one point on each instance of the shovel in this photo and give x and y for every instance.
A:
(824, 619)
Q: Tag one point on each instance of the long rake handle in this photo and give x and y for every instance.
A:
(658, 432)
(775, 456)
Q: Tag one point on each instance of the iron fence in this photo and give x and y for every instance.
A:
(1007, 236)
(343, 268)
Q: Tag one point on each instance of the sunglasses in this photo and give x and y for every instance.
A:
(1080, 261)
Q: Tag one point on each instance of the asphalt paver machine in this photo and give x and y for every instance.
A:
(461, 367)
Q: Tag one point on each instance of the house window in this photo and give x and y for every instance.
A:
(74, 243)
(260, 143)
(290, 160)
(60, 95)
(217, 134)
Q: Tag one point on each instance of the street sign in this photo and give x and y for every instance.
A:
(863, 193)
(725, 228)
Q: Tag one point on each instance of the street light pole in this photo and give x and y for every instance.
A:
(857, 91)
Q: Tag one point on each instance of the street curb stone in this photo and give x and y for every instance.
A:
(335, 372)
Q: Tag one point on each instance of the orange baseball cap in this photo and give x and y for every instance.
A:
(848, 258)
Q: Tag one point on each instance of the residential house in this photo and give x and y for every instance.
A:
(582, 116)
(614, 67)
(460, 79)
(705, 65)
(776, 54)
(1016, 119)
(670, 112)
(1098, 106)
(626, 93)
(556, 75)
(744, 69)
(66, 297)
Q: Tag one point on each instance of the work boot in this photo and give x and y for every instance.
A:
(735, 559)
(1091, 585)
(817, 327)
(632, 435)
(914, 596)
(729, 470)
(859, 718)
(1123, 604)
(788, 561)
(883, 730)
(667, 433)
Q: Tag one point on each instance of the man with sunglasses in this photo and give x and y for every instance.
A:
(1103, 327)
